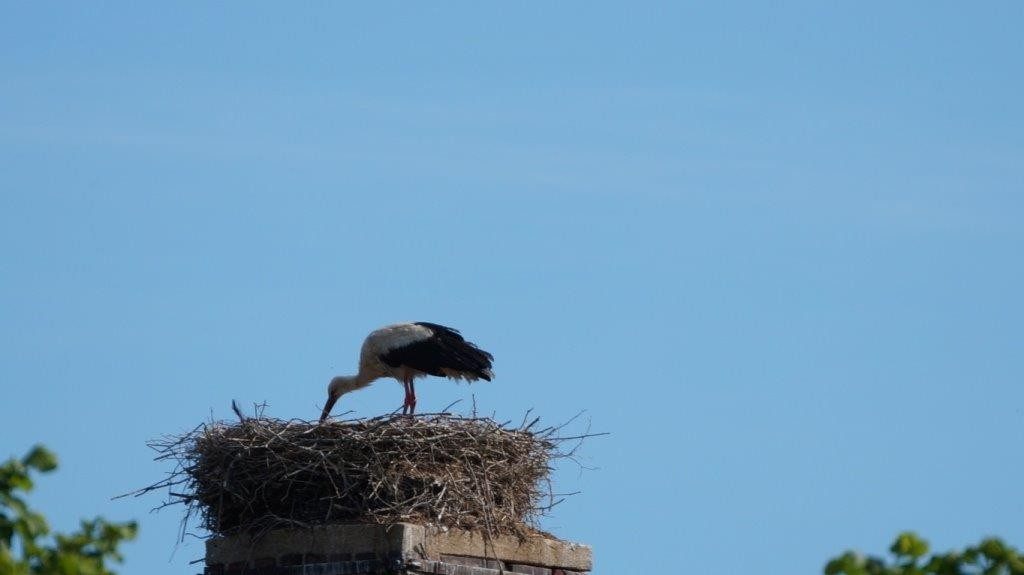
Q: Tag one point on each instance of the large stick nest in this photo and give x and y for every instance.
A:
(262, 473)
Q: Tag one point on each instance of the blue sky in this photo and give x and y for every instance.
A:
(774, 250)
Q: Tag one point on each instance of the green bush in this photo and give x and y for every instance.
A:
(27, 547)
(910, 557)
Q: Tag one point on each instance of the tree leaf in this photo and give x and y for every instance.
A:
(908, 544)
(41, 459)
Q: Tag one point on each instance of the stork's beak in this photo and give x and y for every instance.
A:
(331, 400)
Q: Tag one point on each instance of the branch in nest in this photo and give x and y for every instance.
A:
(263, 473)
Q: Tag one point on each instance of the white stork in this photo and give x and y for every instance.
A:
(406, 351)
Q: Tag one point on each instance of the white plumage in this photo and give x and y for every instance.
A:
(406, 351)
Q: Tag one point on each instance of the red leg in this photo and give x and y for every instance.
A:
(412, 396)
(408, 398)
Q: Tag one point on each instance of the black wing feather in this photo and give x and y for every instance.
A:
(444, 350)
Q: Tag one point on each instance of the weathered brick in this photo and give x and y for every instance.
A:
(529, 569)
(443, 568)
(394, 561)
(290, 559)
(473, 561)
(265, 566)
(461, 560)
(339, 557)
(329, 539)
(236, 568)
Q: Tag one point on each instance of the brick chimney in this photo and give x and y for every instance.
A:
(401, 548)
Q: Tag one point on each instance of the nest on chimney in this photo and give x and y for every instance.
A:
(465, 472)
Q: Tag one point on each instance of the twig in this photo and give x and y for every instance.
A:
(448, 469)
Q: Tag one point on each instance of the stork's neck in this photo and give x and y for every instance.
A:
(346, 383)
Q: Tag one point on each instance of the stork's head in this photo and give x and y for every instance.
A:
(339, 386)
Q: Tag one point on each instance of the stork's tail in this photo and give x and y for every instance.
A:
(472, 363)
(465, 359)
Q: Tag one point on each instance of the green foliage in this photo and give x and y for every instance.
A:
(910, 557)
(26, 545)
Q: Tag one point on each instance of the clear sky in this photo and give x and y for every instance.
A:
(775, 250)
